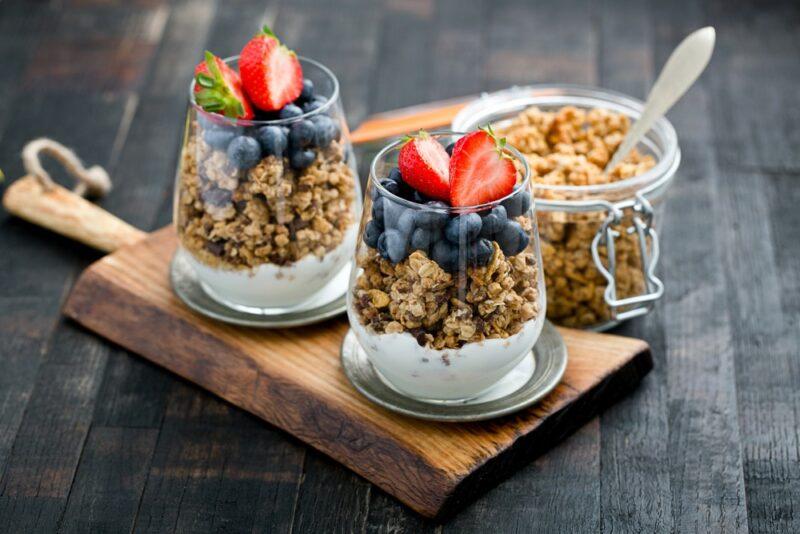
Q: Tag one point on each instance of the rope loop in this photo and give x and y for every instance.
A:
(93, 181)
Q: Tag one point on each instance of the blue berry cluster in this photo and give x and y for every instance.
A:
(245, 147)
(453, 241)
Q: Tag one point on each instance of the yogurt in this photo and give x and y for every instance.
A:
(447, 374)
(273, 287)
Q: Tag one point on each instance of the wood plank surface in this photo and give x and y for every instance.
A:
(721, 399)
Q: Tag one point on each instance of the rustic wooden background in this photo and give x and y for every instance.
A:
(95, 439)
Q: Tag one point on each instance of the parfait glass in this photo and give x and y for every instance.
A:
(445, 301)
(266, 210)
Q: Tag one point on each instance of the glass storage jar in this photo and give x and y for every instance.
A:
(599, 241)
(445, 301)
(266, 210)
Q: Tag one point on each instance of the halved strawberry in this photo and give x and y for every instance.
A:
(271, 73)
(424, 165)
(218, 89)
(480, 170)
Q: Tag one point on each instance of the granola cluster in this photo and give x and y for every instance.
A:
(444, 310)
(571, 146)
(268, 214)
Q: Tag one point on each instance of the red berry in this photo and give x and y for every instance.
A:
(480, 170)
(271, 73)
(218, 89)
(424, 165)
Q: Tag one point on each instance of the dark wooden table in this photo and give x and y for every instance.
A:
(95, 439)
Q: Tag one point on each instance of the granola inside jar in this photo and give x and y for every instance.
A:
(598, 231)
(266, 210)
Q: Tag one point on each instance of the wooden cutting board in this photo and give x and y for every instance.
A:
(293, 379)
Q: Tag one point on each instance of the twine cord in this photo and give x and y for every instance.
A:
(93, 181)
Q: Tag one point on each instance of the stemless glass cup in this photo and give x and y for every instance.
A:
(266, 210)
(599, 242)
(445, 301)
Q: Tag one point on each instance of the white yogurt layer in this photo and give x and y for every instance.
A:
(273, 286)
(448, 374)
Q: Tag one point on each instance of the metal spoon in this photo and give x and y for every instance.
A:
(683, 67)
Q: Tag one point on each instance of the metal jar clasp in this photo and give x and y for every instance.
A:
(629, 307)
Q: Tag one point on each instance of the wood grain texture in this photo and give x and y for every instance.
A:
(53, 392)
(754, 163)
(68, 214)
(634, 436)
(292, 379)
(662, 459)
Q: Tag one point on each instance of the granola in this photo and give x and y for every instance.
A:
(270, 213)
(444, 310)
(571, 146)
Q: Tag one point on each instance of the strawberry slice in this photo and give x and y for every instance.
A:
(424, 165)
(480, 170)
(218, 89)
(271, 73)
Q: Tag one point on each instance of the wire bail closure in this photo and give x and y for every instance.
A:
(635, 306)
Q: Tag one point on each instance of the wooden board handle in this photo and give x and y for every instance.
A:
(407, 120)
(68, 214)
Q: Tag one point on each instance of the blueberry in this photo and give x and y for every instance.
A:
(463, 228)
(396, 245)
(381, 246)
(430, 218)
(517, 204)
(218, 138)
(512, 239)
(302, 134)
(494, 221)
(273, 140)
(423, 239)
(300, 159)
(325, 130)
(290, 111)
(405, 223)
(261, 115)
(419, 198)
(406, 191)
(445, 254)
(525, 202)
(391, 213)
(396, 175)
(391, 185)
(378, 209)
(308, 90)
(313, 104)
(205, 121)
(388, 184)
(449, 148)
(216, 196)
(480, 252)
(371, 233)
(244, 152)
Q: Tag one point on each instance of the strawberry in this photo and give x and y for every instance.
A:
(271, 73)
(480, 169)
(423, 164)
(218, 89)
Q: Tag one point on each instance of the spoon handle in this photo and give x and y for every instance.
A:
(683, 67)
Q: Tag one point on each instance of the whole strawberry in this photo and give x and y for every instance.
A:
(218, 89)
(271, 73)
